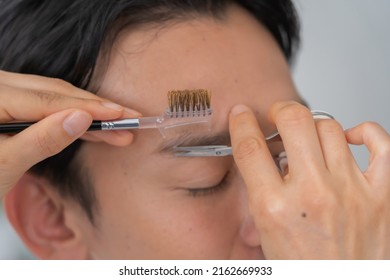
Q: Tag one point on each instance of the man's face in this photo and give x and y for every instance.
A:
(153, 204)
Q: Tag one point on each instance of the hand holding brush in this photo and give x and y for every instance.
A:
(61, 113)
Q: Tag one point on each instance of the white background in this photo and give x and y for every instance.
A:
(343, 68)
(344, 63)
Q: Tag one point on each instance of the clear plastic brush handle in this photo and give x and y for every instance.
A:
(151, 122)
(166, 121)
(172, 120)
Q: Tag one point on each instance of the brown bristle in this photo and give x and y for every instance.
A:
(189, 100)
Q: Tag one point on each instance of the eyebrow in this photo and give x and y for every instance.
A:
(188, 139)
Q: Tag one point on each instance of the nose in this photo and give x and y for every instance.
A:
(248, 232)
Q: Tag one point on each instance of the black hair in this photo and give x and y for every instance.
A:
(63, 39)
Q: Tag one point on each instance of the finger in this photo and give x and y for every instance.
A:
(298, 131)
(21, 104)
(377, 141)
(370, 134)
(251, 153)
(43, 139)
(45, 84)
(51, 88)
(88, 136)
(337, 155)
(120, 138)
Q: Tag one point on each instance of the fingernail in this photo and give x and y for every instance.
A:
(113, 106)
(238, 109)
(132, 112)
(77, 123)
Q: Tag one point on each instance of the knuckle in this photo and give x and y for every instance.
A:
(321, 200)
(274, 211)
(385, 152)
(248, 147)
(383, 143)
(328, 127)
(46, 97)
(293, 113)
(369, 126)
(318, 190)
(46, 143)
(61, 83)
(315, 201)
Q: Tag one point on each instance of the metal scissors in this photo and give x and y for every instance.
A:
(223, 150)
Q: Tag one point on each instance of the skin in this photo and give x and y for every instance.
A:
(152, 188)
(150, 202)
(66, 111)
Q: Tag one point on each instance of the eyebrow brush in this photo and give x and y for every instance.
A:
(184, 107)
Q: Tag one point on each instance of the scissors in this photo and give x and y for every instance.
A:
(223, 150)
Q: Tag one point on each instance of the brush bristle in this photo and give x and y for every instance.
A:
(195, 101)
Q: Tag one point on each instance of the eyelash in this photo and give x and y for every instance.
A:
(201, 192)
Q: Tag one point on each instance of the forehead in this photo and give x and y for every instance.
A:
(235, 58)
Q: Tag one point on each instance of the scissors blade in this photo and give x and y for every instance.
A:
(203, 151)
(223, 150)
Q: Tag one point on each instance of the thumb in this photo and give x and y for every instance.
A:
(250, 151)
(44, 139)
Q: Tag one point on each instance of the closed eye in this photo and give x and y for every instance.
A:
(207, 191)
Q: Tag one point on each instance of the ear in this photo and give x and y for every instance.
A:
(43, 220)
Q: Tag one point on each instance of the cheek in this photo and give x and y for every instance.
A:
(169, 224)
(139, 218)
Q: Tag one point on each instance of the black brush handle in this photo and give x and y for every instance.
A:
(12, 128)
